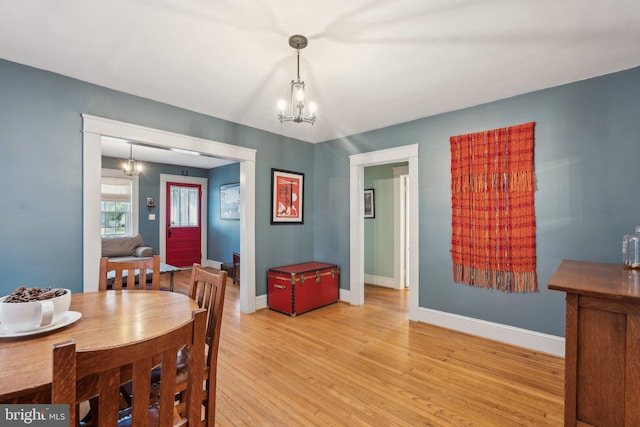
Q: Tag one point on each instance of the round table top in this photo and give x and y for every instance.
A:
(109, 319)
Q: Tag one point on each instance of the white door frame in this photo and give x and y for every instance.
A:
(357, 163)
(95, 127)
(405, 250)
(400, 223)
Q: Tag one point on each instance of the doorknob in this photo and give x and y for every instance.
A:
(168, 233)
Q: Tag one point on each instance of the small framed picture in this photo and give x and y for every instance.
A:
(369, 204)
(287, 197)
(230, 201)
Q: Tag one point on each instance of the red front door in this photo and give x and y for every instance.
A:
(184, 206)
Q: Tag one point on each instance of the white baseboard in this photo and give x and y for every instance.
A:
(387, 282)
(212, 264)
(345, 295)
(261, 302)
(520, 337)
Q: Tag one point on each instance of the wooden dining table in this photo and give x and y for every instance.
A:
(109, 318)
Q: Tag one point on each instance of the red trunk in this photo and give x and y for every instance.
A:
(296, 289)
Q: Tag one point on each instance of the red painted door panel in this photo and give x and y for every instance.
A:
(184, 206)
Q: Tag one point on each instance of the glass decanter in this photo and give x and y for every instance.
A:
(631, 249)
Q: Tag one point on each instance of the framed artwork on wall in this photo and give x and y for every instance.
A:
(230, 201)
(287, 197)
(369, 204)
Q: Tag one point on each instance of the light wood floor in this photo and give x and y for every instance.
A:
(367, 365)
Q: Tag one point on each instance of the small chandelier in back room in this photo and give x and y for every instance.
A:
(298, 110)
(131, 167)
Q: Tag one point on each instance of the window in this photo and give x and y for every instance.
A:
(184, 205)
(118, 204)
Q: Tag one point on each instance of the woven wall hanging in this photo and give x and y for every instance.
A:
(493, 217)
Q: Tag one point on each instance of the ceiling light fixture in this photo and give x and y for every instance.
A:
(132, 167)
(298, 112)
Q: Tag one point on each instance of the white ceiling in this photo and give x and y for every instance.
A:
(122, 149)
(369, 63)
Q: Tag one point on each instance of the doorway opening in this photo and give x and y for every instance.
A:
(385, 232)
(95, 128)
(356, 228)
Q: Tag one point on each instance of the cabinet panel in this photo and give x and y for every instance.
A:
(632, 374)
(601, 367)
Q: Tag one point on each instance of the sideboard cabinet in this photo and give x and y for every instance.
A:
(602, 344)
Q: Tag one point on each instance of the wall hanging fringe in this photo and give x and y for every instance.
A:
(493, 217)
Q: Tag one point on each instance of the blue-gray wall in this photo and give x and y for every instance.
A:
(587, 146)
(41, 168)
(587, 151)
(224, 234)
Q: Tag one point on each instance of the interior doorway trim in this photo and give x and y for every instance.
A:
(357, 163)
(94, 128)
(400, 241)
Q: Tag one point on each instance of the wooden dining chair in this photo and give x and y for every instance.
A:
(124, 270)
(98, 374)
(208, 290)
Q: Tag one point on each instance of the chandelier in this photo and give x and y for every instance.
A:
(131, 167)
(298, 110)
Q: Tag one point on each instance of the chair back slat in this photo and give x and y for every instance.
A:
(124, 270)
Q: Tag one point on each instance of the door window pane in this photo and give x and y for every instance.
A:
(184, 206)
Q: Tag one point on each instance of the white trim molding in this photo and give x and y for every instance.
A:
(400, 179)
(261, 302)
(386, 282)
(520, 337)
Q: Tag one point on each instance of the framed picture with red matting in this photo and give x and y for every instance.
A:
(287, 197)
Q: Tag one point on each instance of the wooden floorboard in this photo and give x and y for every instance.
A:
(368, 365)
